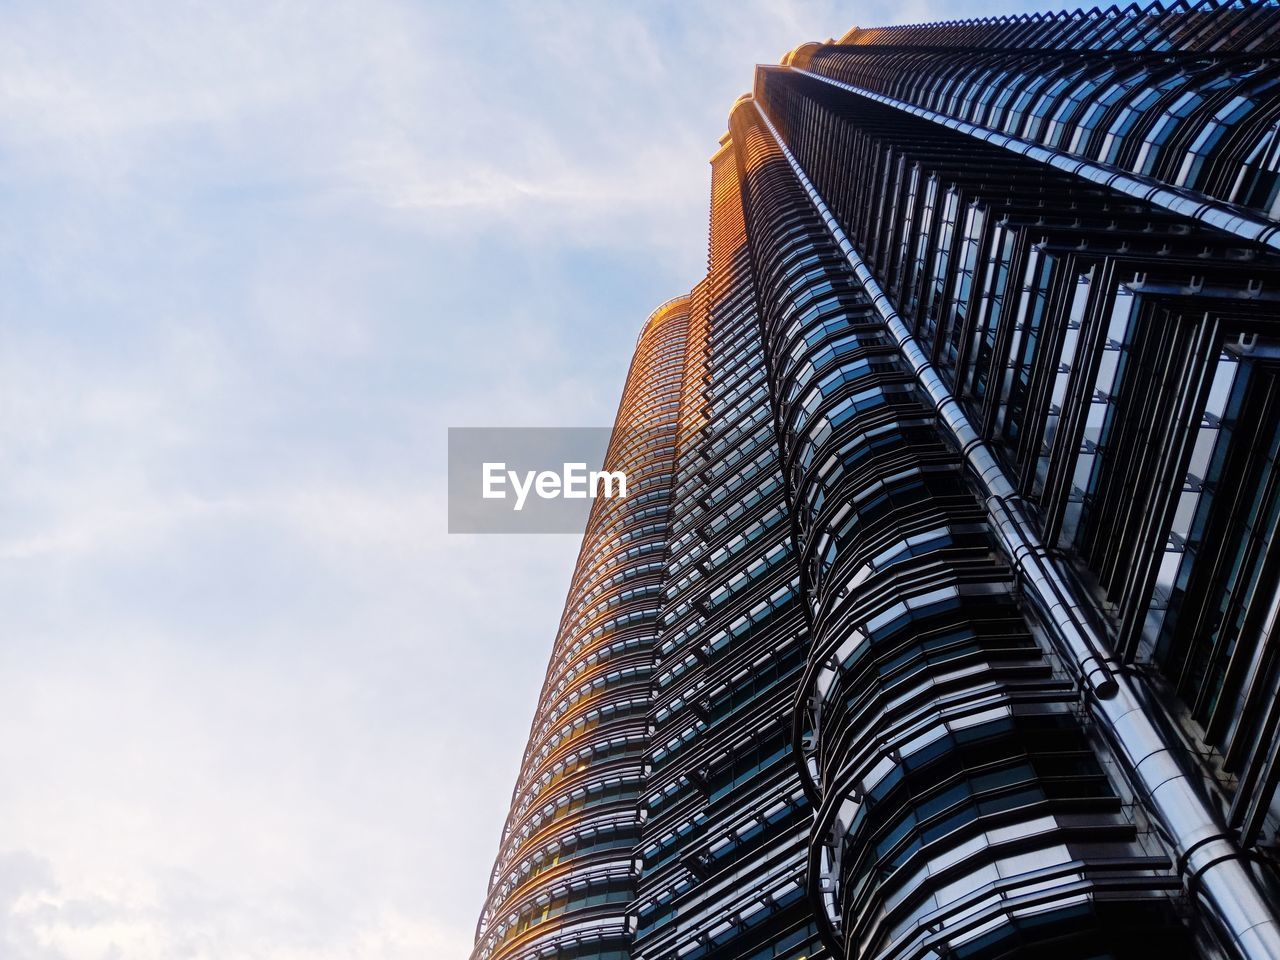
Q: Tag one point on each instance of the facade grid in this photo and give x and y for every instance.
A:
(943, 619)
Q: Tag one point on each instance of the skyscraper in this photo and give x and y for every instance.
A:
(944, 620)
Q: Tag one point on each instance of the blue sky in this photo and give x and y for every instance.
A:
(256, 258)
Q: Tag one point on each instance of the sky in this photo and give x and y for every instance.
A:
(255, 259)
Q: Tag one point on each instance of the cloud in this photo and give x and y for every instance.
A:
(42, 918)
(259, 255)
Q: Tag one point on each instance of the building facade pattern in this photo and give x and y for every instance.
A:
(564, 875)
(951, 625)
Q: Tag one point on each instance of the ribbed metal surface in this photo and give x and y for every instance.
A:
(726, 839)
(955, 786)
(564, 875)
(959, 637)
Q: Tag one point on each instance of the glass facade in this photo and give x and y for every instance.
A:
(946, 624)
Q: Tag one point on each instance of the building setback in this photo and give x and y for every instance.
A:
(941, 618)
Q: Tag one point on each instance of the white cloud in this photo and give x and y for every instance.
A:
(42, 917)
(258, 256)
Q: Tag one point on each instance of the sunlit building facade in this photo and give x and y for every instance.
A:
(943, 623)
